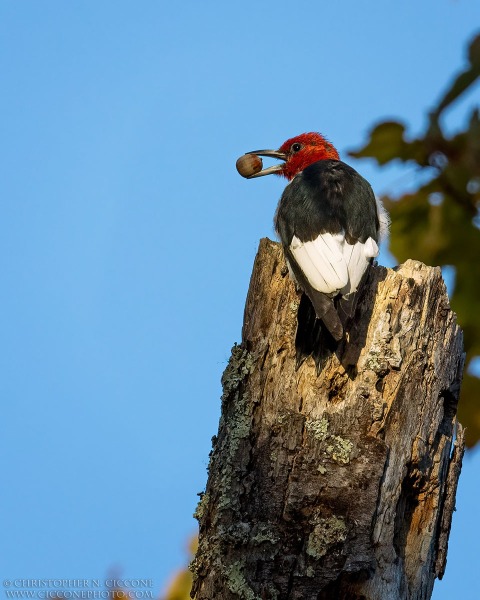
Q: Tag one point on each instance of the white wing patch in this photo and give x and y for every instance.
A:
(322, 262)
(357, 257)
(332, 265)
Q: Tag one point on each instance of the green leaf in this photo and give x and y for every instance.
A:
(387, 143)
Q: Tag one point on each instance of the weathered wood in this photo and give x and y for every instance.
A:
(340, 485)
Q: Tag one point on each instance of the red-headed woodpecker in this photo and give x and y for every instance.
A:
(328, 220)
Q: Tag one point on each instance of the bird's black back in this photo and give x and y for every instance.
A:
(327, 196)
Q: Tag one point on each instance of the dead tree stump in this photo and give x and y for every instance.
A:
(340, 485)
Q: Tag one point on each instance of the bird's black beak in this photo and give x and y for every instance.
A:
(273, 168)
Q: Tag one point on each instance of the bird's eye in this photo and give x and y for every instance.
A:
(296, 147)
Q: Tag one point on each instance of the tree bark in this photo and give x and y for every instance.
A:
(340, 485)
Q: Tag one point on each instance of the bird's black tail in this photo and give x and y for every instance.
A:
(312, 338)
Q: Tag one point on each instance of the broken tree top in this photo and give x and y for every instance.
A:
(338, 484)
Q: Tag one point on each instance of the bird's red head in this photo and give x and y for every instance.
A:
(298, 153)
(303, 150)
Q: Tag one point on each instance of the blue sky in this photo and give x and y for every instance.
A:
(128, 241)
